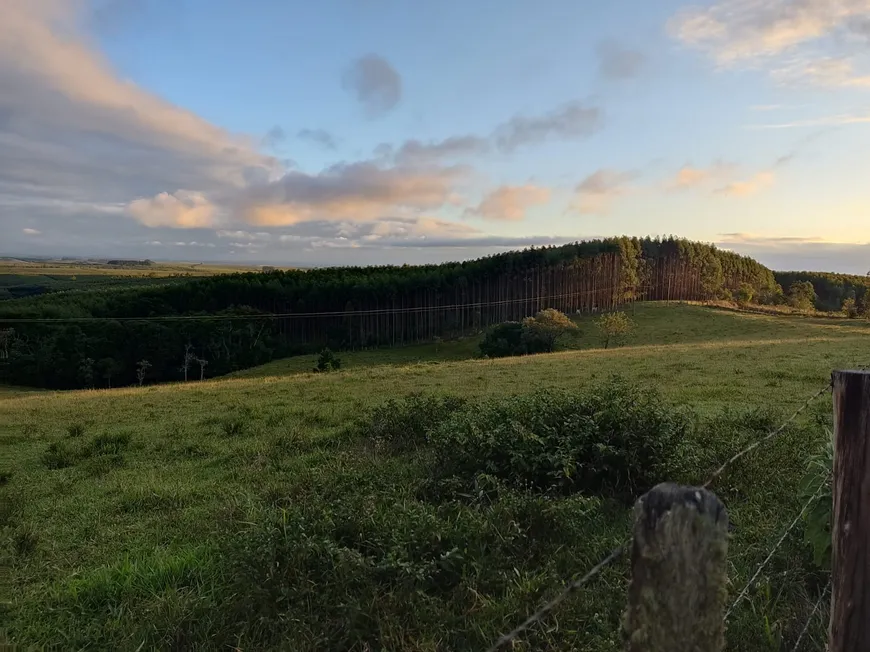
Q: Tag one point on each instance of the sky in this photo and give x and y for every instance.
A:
(355, 132)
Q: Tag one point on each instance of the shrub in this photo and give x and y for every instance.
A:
(614, 326)
(616, 438)
(542, 332)
(402, 424)
(327, 361)
(232, 426)
(503, 340)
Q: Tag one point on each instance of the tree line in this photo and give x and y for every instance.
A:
(122, 336)
(833, 292)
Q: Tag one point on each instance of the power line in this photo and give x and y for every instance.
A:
(301, 315)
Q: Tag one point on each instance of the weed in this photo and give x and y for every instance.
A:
(233, 426)
(404, 424)
(24, 541)
(58, 455)
(108, 444)
(75, 430)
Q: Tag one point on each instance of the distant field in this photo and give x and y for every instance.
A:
(24, 278)
(243, 513)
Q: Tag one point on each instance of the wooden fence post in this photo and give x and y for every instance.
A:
(850, 580)
(678, 588)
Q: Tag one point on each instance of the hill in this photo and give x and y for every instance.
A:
(233, 322)
(269, 512)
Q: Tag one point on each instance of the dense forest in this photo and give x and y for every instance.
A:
(223, 323)
(832, 290)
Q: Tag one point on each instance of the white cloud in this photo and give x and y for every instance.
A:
(752, 186)
(815, 39)
(29, 231)
(184, 209)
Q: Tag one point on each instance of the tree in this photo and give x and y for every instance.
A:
(614, 326)
(5, 342)
(202, 362)
(86, 372)
(745, 293)
(142, 368)
(542, 331)
(108, 368)
(802, 295)
(850, 308)
(188, 359)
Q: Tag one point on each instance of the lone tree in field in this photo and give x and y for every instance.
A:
(541, 332)
(142, 368)
(614, 326)
(802, 295)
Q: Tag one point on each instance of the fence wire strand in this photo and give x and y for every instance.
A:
(806, 626)
(618, 552)
(615, 554)
(774, 433)
(785, 534)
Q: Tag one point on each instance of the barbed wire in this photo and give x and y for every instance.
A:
(774, 433)
(615, 554)
(785, 534)
(806, 626)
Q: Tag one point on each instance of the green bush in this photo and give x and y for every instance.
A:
(616, 438)
(503, 340)
(404, 424)
(327, 362)
(108, 444)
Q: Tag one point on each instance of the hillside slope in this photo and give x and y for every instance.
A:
(244, 512)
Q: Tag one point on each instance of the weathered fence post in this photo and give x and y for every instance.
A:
(678, 574)
(850, 580)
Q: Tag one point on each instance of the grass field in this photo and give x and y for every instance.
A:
(20, 278)
(245, 512)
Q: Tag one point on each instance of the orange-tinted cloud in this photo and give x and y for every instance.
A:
(510, 203)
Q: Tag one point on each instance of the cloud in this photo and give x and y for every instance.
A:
(244, 235)
(29, 231)
(736, 32)
(595, 193)
(183, 209)
(748, 238)
(688, 177)
(348, 191)
(800, 253)
(274, 137)
(752, 186)
(415, 152)
(571, 121)
(318, 137)
(73, 133)
(616, 62)
(574, 120)
(826, 71)
(374, 83)
(825, 121)
(510, 203)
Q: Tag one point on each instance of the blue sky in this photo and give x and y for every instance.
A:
(373, 131)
